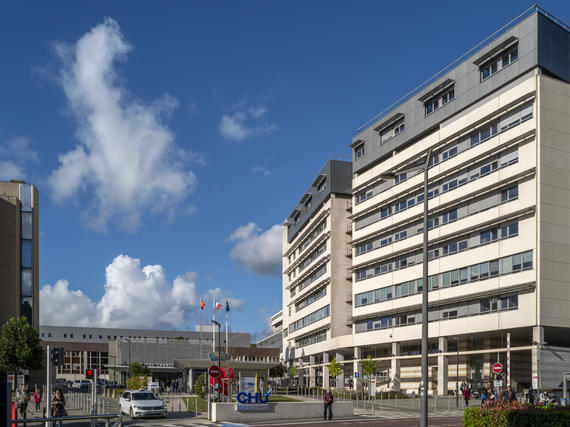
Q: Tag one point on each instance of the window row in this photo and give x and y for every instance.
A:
(465, 209)
(460, 276)
(311, 339)
(498, 62)
(503, 123)
(309, 280)
(315, 296)
(313, 256)
(491, 165)
(451, 311)
(314, 234)
(309, 319)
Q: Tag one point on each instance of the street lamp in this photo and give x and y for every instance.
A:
(219, 354)
(457, 373)
(424, 363)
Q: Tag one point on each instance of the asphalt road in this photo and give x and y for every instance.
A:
(402, 422)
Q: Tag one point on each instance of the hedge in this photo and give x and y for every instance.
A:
(516, 415)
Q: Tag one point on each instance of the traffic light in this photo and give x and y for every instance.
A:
(89, 374)
(57, 355)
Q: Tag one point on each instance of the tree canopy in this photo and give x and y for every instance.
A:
(368, 366)
(20, 346)
(139, 370)
(277, 371)
(335, 369)
(293, 371)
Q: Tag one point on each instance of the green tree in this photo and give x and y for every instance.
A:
(293, 371)
(199, 385)
(368, 366)
(335, 369)
(139, 370)
(277, 371)
(20, 346)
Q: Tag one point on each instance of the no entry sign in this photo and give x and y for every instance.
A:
(497, 368)
(214, 371)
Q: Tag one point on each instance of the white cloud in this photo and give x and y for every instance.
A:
(134, 297)
(15, 154)
(261, 170)
(126, 155)
(236, 304)
(257, 251)
(245, 123)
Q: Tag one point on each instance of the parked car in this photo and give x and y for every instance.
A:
(82, 385)
(141, 403)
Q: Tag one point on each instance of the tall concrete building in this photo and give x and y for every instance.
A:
(496, 125)
(19, 275)
(315, 281)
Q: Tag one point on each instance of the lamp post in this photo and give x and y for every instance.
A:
(424, 167)
(457, 373)
(219, 354)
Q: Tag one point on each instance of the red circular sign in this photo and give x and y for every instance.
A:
(214, 371)
(497, 368)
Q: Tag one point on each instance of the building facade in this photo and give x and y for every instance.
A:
(316, 263)
(495, 126)
(19, 273)
(275, 338)
(112, 350)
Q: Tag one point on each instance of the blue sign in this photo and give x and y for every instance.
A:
(356, 374)
(253, 397)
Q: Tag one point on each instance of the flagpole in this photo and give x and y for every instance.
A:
(213, 329)
(227, 311)
(201, 309)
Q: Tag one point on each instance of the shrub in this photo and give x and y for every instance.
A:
(199, 386)
(515, 414)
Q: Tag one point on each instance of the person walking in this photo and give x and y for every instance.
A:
(328, 399)
(58, 406)
(38, 398)
(509, 395)
(23, 401)
(466, 396)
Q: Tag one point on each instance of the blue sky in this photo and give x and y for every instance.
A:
(181, 134)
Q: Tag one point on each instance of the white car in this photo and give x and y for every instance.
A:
(141, 403)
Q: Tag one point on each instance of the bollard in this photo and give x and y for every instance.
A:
(381, 402)
(449, 403)
(196, 411)
(179, 403)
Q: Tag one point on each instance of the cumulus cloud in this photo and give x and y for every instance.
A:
(261, 170)
(15, 154)
(245, 123)
(257, 251)
(126, 157)
(134, 297)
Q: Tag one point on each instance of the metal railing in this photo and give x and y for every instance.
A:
(60, 420)
(533, 9)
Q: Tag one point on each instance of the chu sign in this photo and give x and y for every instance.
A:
(252, 401)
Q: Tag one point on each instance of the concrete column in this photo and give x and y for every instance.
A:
(395, 367)
(312, 372)
(356, 367)
(326, 383)
(537, 337)
(190, 380)
(301, 373)
(442, 375)
(340, 378)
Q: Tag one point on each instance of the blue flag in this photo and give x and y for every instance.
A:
(227, 306)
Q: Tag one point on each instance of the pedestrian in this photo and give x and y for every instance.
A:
(466, 396)
(484, 397)
(23, 401)
(531, 393)
(58, 406)
(508, 395)
(38, 398)
(328, 399)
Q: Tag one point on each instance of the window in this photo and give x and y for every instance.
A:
(392, 130)
(499, 62)
(451, 314)
(359, 151)
(322, 186)
(527, 259)
(439, 100)
(309, 203)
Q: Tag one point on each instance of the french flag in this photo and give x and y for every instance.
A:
(218, 305)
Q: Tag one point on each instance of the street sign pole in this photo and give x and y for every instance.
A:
(48, 380)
